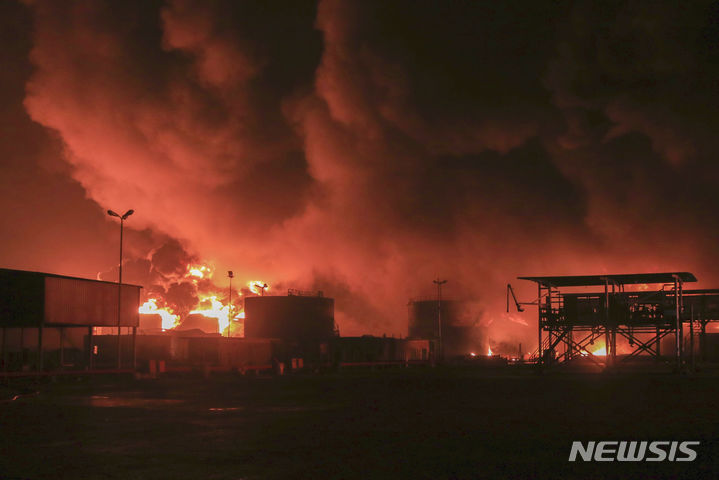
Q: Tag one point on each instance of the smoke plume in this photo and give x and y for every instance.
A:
(365, 148)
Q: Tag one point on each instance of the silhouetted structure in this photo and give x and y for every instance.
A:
(369, 350)
(297, 318)
(461, 333)
(569, 323)
(61, 309)
(304, 321)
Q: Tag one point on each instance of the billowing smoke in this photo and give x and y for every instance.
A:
(365, 148)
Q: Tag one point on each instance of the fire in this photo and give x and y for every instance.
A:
(209, 305)
(169, 320)
(600, 351)
(489, 351)
(219, 311)
(199, 271)
(257, 287)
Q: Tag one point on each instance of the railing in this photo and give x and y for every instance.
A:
(304, 293)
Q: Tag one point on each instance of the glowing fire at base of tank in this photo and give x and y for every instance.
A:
(169, 320)
(600, 351)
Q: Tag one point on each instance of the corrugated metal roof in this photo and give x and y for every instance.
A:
(43, 274)
(621, 279)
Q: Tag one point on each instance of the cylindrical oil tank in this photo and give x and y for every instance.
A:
(293, 318)
(461, 331)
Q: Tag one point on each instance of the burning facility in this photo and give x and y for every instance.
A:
(648, 314)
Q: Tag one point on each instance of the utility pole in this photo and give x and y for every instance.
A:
(119, 283)
(439, 284)
(229, 313)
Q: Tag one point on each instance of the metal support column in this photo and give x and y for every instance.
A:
(4, 349)
(678, 335)
(39, 347)
(691, 337)
(134, 348)
(607, 336)
(62, 347)
(90, 352)
(614, 331)
(551, 353)
(22, 347)
(539, 322)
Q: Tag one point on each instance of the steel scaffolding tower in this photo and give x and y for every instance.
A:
(655, 305)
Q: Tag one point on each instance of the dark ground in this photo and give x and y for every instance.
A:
(401, 423)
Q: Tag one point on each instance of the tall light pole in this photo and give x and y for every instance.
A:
(439, 284)
(119, 281)
(229, 314)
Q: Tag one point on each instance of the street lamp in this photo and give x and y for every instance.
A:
(229, 315)
(119, 281)
(439, 284)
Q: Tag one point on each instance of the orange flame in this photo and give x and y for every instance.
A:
(169, 319)
(489, 351)
(220, 312)
(216, 310)
(198, 271)
(600, 351)
(256, 286)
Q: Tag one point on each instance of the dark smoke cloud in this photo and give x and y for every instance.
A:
(364, 148)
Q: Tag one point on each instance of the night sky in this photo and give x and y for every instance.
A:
(361, 147)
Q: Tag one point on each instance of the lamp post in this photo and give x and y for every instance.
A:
(229, 314)
(119, 281)
(439, 284)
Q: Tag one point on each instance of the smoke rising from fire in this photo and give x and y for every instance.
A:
(364, 148)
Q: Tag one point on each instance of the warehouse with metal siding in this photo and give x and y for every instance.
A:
(55, 315)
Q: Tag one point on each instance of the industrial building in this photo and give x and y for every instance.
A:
(371, 350)
(48, 321)
(52, 323)
(651, 314)
(453, 323)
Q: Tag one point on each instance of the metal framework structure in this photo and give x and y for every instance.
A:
(658, 306)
